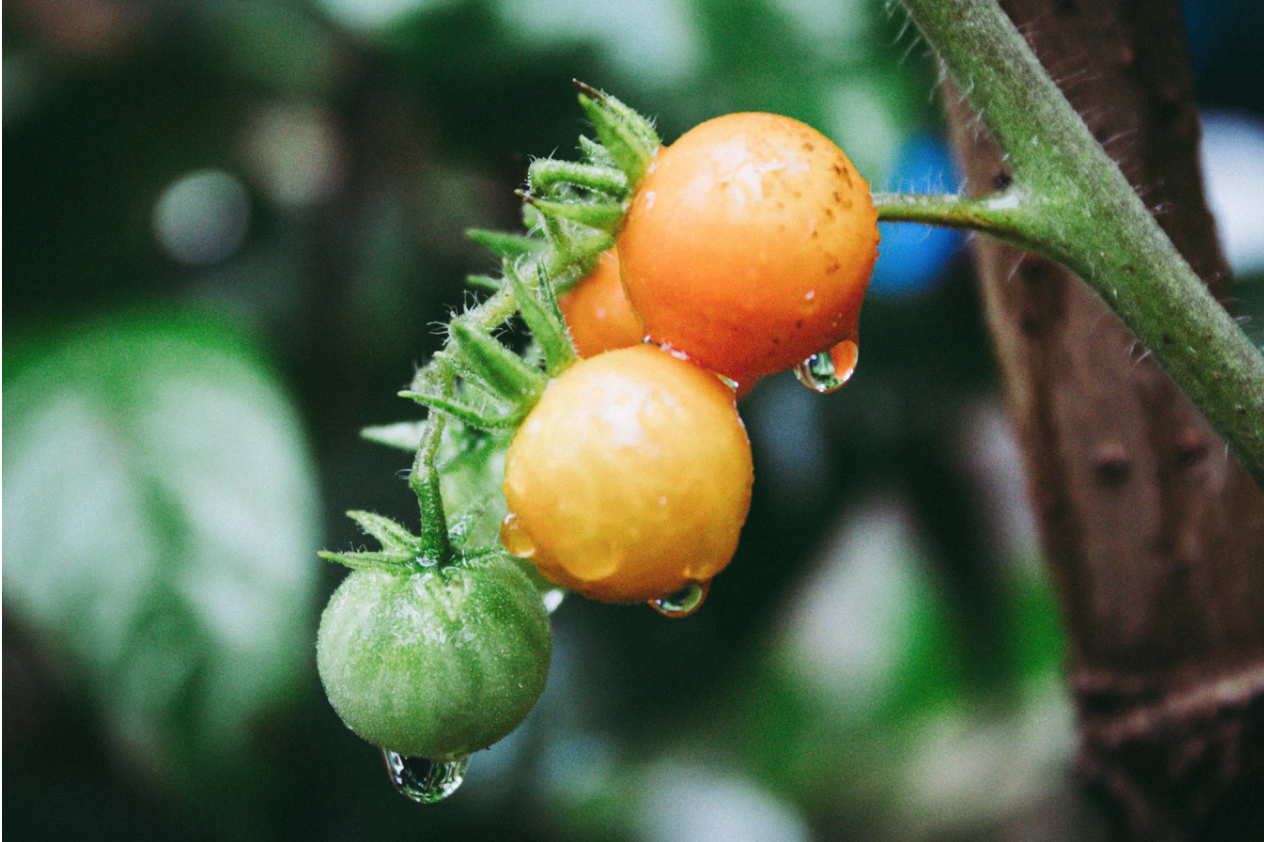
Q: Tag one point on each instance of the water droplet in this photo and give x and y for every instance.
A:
(829, 370)
(683, 602)
(553, 598)
(424, 781)
(515, 538)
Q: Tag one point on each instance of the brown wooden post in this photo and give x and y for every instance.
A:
(1153, 535)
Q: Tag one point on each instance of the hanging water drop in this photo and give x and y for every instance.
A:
(827, 371)
(516, 540)
(553, 598)
(424, 781)
(683, 602)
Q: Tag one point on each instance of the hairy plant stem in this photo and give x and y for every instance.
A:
(424, 481)
(440, 376)
(1069, 201)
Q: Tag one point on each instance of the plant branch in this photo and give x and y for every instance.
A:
(424, 481)
(1078, 208)
(1003, 215)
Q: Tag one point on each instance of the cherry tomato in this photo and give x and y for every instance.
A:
(436, 664)
(597, 310)
(631, 478)
(749, 245)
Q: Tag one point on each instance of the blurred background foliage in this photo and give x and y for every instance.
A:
(231, 227)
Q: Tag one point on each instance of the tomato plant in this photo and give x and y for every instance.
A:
(438, 663)
(628, 474)
(631, 478)
(749, 245)
(597, 310)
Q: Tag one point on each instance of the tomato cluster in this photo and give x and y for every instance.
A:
(686, 273)
(746, 250)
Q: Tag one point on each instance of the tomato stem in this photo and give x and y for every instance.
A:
(1075, 206)
(424, 481)
(1003, 215)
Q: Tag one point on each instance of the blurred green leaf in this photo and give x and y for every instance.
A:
(161, 524)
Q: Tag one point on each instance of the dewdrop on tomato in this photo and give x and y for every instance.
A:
(829, 371)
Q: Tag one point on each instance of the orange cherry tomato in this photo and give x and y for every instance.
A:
(597, 311)
(631, 478)
(749, 245)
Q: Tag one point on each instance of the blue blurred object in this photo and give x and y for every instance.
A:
(911, 258)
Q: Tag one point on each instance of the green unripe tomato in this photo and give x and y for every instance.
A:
(437, 664)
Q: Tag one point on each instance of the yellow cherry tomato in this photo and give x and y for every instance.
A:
(631, 478)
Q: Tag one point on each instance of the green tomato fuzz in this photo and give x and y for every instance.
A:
(437, 664)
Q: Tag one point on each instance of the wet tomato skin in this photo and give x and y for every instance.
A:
(597, 310)
(631, 477)
(436, 664)
(749, 245)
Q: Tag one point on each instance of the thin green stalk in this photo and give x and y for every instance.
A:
(1003, 215)
(490, 314)
(439, 376)
(424, 481)
(1077, 207)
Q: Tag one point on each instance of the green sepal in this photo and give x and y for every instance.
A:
(585, 249)
(397, 563)
(604, 216)
(547, 174)
(393, 537)
(546, 293)
(468, 414)
(501, 370)
(595, 153)
(531, 217)
(584, 252)
(431, 378)
(406, 435)
(641, 127)
(486, 282)
(504, 244)
(627, 136)
(540, 311)
(558, 235)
